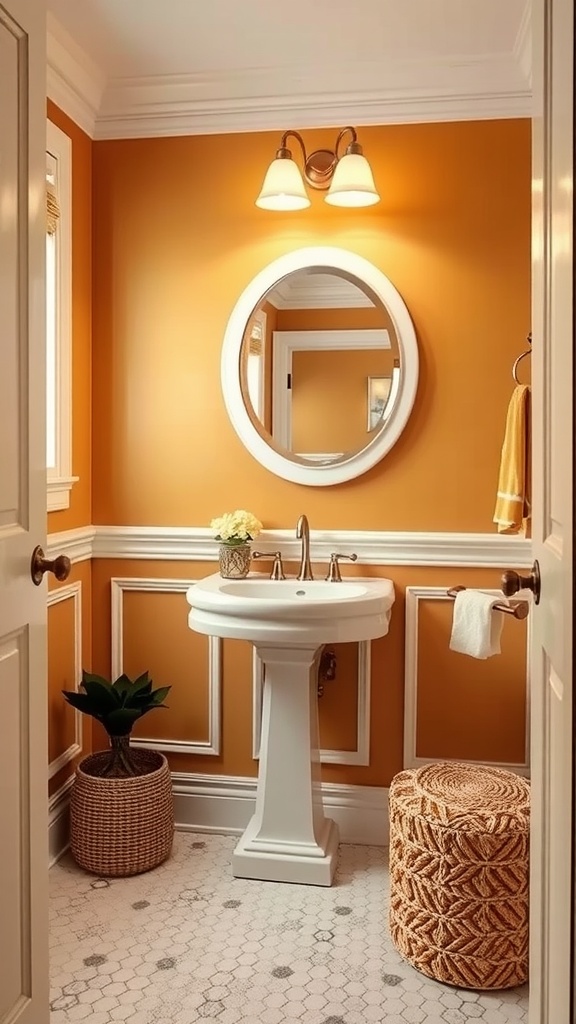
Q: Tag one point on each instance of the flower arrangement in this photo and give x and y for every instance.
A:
(236, 527)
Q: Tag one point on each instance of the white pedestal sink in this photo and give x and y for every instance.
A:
(289, 839)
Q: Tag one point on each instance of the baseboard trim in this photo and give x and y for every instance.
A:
(225, 804)
(59, 822)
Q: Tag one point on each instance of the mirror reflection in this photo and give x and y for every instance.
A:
(319, 365)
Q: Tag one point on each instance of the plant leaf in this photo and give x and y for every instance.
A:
(142, 685)
(122, 686)
(159, 695)
(104, 696)
(92, 678)
(121, 721)
(83, 702)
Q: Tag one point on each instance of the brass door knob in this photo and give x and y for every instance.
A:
(60, 566)
(512, 582)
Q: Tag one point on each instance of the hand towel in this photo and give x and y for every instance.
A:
(476, 627)
(513, 498)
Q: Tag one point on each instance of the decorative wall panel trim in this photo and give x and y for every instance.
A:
(70, 592)
(413, 597)
(150, 585)
(225, 804)
(361, 755)
(77, 544)
(59, 822)
(373, 547)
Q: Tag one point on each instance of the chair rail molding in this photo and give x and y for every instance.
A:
(374, 547)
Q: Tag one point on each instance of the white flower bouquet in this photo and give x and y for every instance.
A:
(236, 527)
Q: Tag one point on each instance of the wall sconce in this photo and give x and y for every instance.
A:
(348, 177)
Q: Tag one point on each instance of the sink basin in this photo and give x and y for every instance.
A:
(291, 611)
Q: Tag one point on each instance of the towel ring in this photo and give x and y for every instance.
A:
(522, 355)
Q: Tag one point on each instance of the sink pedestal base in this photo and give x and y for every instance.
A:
(288, 839)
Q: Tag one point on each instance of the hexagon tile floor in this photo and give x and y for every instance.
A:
(188, 942)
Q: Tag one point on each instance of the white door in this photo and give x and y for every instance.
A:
(23, 775)
(552, 849)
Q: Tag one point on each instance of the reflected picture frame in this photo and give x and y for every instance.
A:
(378, 393)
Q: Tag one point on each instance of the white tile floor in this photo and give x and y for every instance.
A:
(188, 942)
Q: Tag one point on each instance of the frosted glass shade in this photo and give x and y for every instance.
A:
(283, 187)
(353, 183)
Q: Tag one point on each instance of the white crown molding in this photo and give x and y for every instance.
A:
(159, 117)
(73, 80)
(373, 547)
(414, 596)
(259, 99)
(317, 291)
(225, 804)
(523, 44)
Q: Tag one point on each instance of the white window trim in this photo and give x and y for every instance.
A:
(60, 478)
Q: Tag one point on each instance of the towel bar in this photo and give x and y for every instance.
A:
(519, 609)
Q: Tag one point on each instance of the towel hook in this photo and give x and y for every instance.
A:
(522, 355)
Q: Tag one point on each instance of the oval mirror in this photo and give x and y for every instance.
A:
(319, 366)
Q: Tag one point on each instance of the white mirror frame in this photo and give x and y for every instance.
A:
(357, 463)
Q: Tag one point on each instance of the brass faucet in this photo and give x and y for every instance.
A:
(303, 534)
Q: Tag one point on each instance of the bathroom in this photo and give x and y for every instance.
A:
(165, 238)
(454, 239)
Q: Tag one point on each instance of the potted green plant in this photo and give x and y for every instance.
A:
(121, 807)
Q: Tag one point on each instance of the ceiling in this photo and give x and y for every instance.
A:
(140, 67)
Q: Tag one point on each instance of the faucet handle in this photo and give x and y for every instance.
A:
(277, 567)
(334, 575)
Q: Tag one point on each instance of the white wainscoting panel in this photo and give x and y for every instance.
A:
(413, 597)
(152, 585)
(361, 755)
(70, 592)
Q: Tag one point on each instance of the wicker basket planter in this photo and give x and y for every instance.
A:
(121, 826)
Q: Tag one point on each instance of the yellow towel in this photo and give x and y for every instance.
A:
(513, 499)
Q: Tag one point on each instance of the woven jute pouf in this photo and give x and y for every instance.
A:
(459, 840)
(121, 827)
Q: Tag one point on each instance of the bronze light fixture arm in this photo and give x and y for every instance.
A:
(320, 165)
(352, 147)
(350, 184)
(283, 153)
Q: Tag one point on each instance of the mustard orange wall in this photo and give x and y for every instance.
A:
(176, 239)
(80, 511)
(330, 398)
